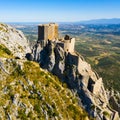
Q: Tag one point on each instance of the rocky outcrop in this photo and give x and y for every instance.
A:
(72, 69)
(114, 100)
(14, 40)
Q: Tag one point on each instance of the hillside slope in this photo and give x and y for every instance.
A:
(29, 92)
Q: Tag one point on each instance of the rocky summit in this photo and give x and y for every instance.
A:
(55, 83)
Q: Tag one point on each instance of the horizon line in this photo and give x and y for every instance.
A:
(57, 21)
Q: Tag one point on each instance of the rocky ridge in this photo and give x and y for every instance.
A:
(72, 69)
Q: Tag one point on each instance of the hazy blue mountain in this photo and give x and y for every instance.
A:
(101, 21)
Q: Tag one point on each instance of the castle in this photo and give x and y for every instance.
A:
(50, 32)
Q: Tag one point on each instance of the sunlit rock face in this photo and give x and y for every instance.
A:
(14, 40)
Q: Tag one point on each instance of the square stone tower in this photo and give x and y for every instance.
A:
(48, 31)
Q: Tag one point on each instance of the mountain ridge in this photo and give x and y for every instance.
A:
(100, 21)
(91, 21)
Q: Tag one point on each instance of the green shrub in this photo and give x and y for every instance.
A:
(105, 113)
(22, 115)
(37, 108)
(5, 50)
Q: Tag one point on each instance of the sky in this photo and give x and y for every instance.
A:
(57, 10)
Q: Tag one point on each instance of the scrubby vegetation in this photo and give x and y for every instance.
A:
(31, 93)
(4, 51)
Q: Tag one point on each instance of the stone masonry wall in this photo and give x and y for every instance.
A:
(69, 45)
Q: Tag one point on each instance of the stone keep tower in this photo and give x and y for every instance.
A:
(69, 44)
(48, 31)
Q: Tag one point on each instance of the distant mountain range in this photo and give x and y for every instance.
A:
(101, 21)
(94, 21)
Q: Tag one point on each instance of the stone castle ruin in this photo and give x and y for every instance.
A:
(48, 32)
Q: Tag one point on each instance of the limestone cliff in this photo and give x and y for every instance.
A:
(72, 69)
(14, 40)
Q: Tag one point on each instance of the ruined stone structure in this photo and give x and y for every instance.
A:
(69, 44)
(48, 32)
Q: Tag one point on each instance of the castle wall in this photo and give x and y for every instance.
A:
(56, 31)
(51, 32)
(45, 32)
(41, 32)
(48, 31)
(69, 45)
